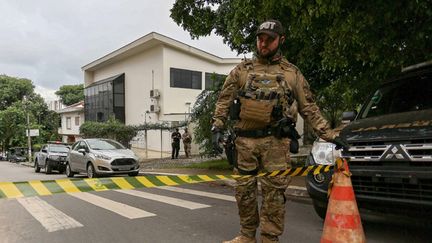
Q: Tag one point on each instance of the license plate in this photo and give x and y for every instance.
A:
(124, 168)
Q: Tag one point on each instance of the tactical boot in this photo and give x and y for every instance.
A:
(241, 239)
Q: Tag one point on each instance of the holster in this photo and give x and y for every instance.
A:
(286, 128)
(230, 151)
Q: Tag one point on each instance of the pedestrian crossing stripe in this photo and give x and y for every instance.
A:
(49, 187)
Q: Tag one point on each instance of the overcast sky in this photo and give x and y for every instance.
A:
(48, 41)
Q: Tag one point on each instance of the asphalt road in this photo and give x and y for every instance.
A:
(159, 215)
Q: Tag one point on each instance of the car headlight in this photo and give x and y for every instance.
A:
(54, 157)
(324, 153)
(102, 156)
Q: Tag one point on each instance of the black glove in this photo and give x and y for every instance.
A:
(216, 139)
(341, 143)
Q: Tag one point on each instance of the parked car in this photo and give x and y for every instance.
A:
(17, 154)
(51, 157)
(390, 157)
(96, 157)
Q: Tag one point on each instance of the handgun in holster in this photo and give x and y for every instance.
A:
(286, 128)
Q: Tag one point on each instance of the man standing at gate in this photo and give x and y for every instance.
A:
(265, 95)
(175, 144)
(187, 140)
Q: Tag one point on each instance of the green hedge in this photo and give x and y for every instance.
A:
(112, 129)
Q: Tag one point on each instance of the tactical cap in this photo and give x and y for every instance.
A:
(271, 27)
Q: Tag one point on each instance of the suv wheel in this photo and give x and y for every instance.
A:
(48, 168)
(69, 172)
(321, 211)
(36, 166)
(91, 173)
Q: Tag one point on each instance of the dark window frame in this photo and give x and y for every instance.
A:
(186, 79)
(102, 100)
(210, 84)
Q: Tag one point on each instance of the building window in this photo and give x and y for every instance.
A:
(212, 80)
(181, 78)
(77, 121)
(68, 123)
(105, 99)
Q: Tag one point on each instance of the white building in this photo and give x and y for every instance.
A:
(152, 79)
(71, 119)
(55, 105)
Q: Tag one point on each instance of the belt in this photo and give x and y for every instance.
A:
(255, 133)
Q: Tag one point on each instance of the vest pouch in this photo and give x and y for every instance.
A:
(259, 111)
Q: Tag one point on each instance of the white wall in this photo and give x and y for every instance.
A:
(180, 96)
(74, 129)
(138, 82)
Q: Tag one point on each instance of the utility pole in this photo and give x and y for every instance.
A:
(29, 138)
(145, 133)
(28, 130)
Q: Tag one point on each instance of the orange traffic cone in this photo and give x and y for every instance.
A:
(342, 222)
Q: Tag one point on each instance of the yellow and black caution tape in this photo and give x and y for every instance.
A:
(49, 187)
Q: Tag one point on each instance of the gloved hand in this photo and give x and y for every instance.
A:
(341, 143)
(216, 139)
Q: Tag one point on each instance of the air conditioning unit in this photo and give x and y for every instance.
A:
(154, 108)
(154, 93)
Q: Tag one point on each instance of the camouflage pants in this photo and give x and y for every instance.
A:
(187, 149)
(265, 154)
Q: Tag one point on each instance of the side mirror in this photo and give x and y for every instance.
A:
(81, 150)
(349, 116)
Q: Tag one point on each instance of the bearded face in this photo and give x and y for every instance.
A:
(267, 45)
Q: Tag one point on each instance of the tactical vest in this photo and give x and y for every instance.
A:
(263, 98)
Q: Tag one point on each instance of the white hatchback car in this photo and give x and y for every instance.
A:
(96, 156)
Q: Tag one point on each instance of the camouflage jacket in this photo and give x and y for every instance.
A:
(303, 100)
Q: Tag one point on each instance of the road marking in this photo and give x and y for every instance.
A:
(67, 186)
(297, 188)
(51, 218)
(199, 193)
(113, 206)
(40, 188)
(165, 199)
(10, 190)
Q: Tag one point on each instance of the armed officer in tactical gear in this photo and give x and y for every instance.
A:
(267, 93)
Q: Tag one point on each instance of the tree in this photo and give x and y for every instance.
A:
(71, 94)
(12, 126)
(14, 110)
(202, 114)
(13, 89)
(344, 48)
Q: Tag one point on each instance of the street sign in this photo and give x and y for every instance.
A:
(33, 132)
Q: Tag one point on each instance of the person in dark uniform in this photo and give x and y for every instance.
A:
(175, 143)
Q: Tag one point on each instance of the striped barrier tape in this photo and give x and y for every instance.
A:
(49, 187)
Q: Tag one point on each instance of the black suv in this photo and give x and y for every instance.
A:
(391, 148)
(51, 157)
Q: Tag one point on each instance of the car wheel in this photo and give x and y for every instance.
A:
(133, 173)
(91, 173)
(36, 166)
(321, 211)
(48, 168)
(69, 172)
